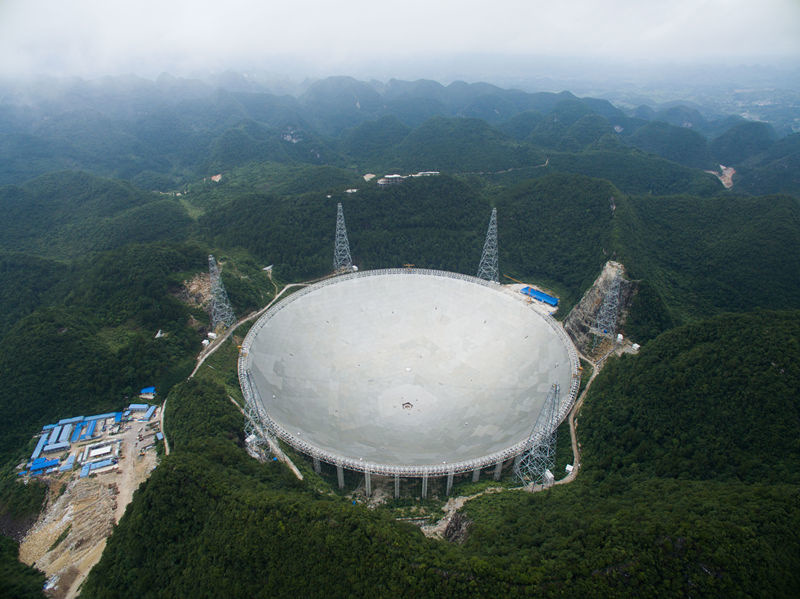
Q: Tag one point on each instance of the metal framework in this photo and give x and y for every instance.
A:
(256, 438)
(342, 262)
(488, 269)
(532, 466)
(606, 321)
(267, 426)
(221, 310)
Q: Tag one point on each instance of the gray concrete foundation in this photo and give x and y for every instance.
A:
(340, 475)
(424, 486)
(498, 470)
(476, 475)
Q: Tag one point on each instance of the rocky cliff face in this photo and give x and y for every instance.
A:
(582, 318)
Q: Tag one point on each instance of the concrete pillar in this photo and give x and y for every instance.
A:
(498, 470)
(367, 483)
(476, 475)
(396, 486)
(340, 475)
(317, 466)
(449, 483)
(424, 486)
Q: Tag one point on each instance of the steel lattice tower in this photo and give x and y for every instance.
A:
(531, 467)
(221, 310)
(256, 437)
(606, 323)
(488, 268)
(342, 262)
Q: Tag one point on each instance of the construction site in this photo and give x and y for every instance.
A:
(92, 465)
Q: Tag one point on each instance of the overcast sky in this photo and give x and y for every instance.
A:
(96, 37)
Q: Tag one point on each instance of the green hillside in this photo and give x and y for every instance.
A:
(681, 145)
(69, 214)
(649, 514)
(689, 481)
(706, 255)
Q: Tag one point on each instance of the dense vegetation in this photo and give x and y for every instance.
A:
(649, 514)
(691, 457)
(212, 521)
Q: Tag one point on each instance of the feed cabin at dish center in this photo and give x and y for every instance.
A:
(406, 373)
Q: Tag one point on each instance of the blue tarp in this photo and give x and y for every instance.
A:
(149, 414)
(90, 429)
(76, 434)
(71, 420)
(54, 434)
(159, 436)
(147, 390)
(64, 436)
(100, 416)
(541, 296)
(87, 468)
(39, 446)
(56, 447)
(42, 464)
(117, 417)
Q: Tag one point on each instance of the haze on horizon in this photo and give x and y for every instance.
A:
(91, 38)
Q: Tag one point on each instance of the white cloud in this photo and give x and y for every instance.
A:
(94, 37)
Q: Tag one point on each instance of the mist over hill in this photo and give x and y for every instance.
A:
(163, 133)
(115, 190)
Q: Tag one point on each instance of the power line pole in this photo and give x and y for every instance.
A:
(221, 310)
(488, 268)
(256, 435)
(606, 322)
(536, 464)
(342, 262)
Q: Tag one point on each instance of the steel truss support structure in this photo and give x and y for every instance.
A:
(342, 262)
(606, 322)
(532, 466)
(221, 310)
(488, 268)
(256, 438)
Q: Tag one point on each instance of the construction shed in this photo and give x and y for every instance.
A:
(540, 295)
(39, 446)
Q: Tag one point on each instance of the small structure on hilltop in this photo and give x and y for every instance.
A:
(221, 311)
(594, 321)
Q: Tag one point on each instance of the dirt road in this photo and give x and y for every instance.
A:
(456, 503)
(70, 535)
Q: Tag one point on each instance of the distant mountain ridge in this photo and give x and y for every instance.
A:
(159, 134)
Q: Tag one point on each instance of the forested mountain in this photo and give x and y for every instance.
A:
(160, 134)
(110, 210)
(651, 513)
